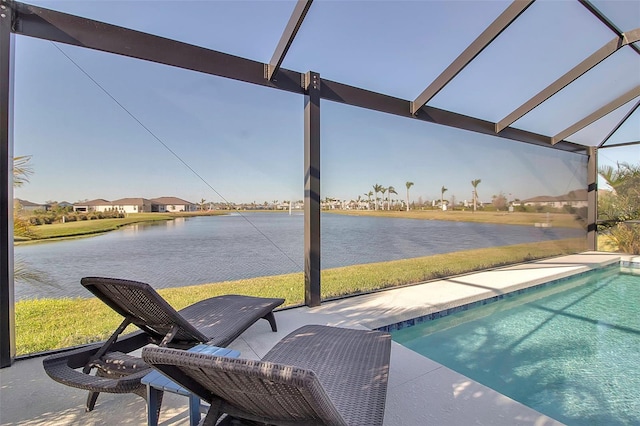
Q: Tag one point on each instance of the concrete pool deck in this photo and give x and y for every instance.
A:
(420, 391)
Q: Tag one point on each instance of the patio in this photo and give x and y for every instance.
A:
(420, 391)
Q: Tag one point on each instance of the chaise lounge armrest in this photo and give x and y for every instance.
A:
(116, 371)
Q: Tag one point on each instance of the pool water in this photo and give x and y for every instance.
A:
(570, 350)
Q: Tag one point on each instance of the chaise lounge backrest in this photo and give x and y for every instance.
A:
(317, 375)
(145, 308)
(271, 392)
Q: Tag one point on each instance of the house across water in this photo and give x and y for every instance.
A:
(137, 205)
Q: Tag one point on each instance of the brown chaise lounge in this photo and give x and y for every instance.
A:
(317, 375)
(216, 321)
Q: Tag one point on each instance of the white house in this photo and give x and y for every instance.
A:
(577, 198)
(97, 205)
(132, 205)
(172, 205)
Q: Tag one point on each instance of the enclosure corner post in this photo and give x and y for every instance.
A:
(7, 317)
(312, 189)
(592, 198)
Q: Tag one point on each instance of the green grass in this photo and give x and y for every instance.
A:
(45, 324)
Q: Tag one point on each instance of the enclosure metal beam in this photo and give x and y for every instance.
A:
(618, 145)
(606, 21)
(290, 31)
(46, 24)
(355, 96)
(592, 198)
(598, 114)
(620, 123)
(7, 317)
(501, 23)
(312, 87)
(584, 66)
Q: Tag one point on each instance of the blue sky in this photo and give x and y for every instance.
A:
(245, 143)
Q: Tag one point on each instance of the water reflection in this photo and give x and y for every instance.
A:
(206, 249)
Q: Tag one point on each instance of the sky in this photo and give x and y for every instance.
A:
(102, 126)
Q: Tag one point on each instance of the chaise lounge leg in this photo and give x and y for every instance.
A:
(154, 402)
(213, 415)
(272, 320)
(91, 401)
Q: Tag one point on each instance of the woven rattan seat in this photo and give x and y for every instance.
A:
(216, 321)
(317, 375)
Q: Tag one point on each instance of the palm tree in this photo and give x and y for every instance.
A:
(442, 191)
(21, 170)
(618, 176)
(390, 190)
(384, 191)
(22, 271)
(475, 184)
(202, 204)
(368, 195)
(408, 185)
(376, 188)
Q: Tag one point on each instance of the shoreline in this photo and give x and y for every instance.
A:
(65, 231)
(559, 220)
(101, 226)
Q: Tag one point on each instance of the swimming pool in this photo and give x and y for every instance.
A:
(570, 350)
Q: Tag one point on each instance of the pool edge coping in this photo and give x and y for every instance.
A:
(427, 313)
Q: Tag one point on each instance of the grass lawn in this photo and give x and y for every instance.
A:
(561, 220)
(44, 324)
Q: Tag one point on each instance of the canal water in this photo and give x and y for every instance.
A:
(205, 249)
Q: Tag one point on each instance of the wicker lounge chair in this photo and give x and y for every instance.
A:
(216, 321)
(317, 375)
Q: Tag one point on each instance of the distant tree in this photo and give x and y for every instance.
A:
(202, 203)
(453, 201)
(408, 185)
(369, 194)
(376, 188)
(390, 190)
(475, 184)
(383, 190)
(499, 201)
(442, 191)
